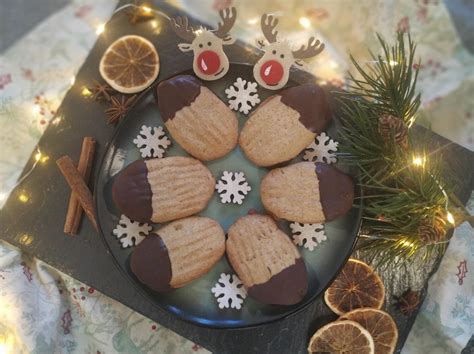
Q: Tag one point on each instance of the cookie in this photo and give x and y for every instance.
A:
(178, 253)
(307, 192)
(160, 190)
(266, 261)
(196, 118)
(285, 124)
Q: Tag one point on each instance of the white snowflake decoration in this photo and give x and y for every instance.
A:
(323, 149)
(152, 141)
(129, 232)
(307, 235)
(229, 291)
(242, 98)
(232, 187)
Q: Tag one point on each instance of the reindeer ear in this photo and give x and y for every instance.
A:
(185, 47)
(228, 40)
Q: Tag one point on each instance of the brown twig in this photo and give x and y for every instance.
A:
(78, 187)
(74, 211)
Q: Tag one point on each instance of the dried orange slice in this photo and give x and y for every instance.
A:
(342, 337)
(355, 287)
(130, 64)
(380, 325)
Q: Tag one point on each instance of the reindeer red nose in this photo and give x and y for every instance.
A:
(271, 72)
(208, 62)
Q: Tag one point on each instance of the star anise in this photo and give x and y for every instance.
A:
(139, 14)
(119, 107)
(100, 91)
(408, 302)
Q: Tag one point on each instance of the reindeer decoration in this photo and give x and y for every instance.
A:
(273, 69)
(210, 61)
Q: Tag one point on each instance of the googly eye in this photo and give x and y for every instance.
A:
(282, 56)
(274, 51)
(209, 44)
(200, 46)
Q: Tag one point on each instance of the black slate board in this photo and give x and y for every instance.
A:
(85, 258)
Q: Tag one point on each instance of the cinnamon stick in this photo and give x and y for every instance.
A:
(78, 187)
(74, 210)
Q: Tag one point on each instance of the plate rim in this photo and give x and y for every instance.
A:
(143, 293)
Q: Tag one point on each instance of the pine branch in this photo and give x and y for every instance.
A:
(404, 203)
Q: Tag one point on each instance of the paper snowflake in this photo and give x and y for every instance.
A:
(242, 97)
(323, 149)
(152, 141)
(232, 187)
(229, 291)
(307, 235)
(129, 232)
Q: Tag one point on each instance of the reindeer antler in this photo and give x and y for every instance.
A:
(180, 27)
(268, 27)
(228, 17)
(313, 48)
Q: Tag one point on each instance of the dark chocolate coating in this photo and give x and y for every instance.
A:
(285, 288)
(336, 191)
(309, 100)
(131, 192)
(150, 262)
(175, 93)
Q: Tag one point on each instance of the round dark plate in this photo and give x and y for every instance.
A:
(195, 302)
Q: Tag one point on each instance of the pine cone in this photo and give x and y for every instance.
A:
(434, 230)
(392, 129)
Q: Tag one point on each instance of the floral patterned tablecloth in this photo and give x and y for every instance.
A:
(45, 311)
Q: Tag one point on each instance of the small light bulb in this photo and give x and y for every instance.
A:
(38, 156)
(56, 120)
(36, 109)
(86, 92)
(146, 9)
(44, 159)
(23, 198)
(419, 161)
(393, 63)
(450, 218)
(100, 29)
(6, 344)
(305, 22)
(333, 64)
(25, 239)
(253, 21)
(73, 80)
(198, 31)
(407, 243)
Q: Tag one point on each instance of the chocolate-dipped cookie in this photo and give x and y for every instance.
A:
(307, 192)
(266, 261)
(161, 190)
(196, 118)
(285, 124)
(178, 253)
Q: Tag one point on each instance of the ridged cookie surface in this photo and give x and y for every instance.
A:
(266, 261)
(285, 124)
(307, 192)
(196, 118)
(178, 253)
(161, 190)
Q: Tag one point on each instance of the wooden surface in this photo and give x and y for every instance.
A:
(85, 258)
